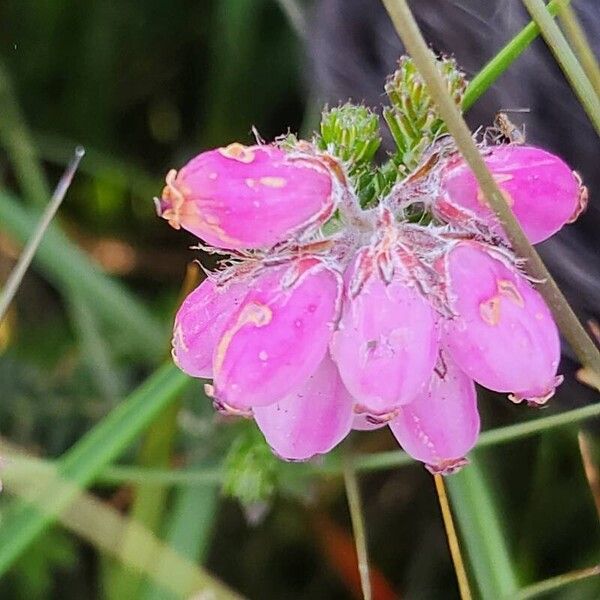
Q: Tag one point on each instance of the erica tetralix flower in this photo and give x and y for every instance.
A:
(386, 342)
(248, 196)
(542, 191)
(503, 335)
(278, 335)
(441, 424)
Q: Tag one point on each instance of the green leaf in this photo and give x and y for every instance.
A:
(94, 451)
(482, 527)
(72, 271)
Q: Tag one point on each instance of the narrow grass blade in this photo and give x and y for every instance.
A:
(70, 269)
(453, 544)
(190, 527)
(563, 314)
(481, 529)
(590, 467)
(15, 278)
(15, 137)
(43, 488)
(567, 60)
(358, 525)
(578, 40)
(555, 583)
(86, 459)
(500, 63)
(96, 352)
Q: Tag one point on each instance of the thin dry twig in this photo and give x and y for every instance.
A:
(14, 280)
(590, 468)
(457, 559)
(358, 525)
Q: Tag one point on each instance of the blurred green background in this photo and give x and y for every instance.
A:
(144, 86)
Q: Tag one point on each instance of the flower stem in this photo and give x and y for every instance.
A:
(555, 583)
(501, 61)
(567, 60)
(566, 319)
(17, 274)
(578, 40)
(457, 560)
(358, 525)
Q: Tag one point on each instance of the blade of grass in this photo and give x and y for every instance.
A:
(16, 276)
(567, 60)
(190, 527)
(358, 525)
(578, 40)
(497, 65)
(555, 583)
(567, 321)
(14, 136)
(457, 560)
(119, 474)
(149, 503)
(481, 531)
(71, 271)
(44, 488)
(94, 451)
(590, 467)
(96, 352)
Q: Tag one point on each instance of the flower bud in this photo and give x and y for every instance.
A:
(440, 425)
(386, 343)
(311, 420)
(199, 323)
(540, 188)
(503, 335)
(247, 196)
(278, 336)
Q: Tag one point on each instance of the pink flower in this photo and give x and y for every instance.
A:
(503, 335)
(277, 337)
(199, 325)
(386, 342)
(311, 420)
(541, 189)
(440, 425)
(248, 197)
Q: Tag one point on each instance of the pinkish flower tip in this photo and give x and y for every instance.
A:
(248, 196)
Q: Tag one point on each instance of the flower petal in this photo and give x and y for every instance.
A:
(440, 426)
(386, 345)
(541, 189)
(199, 323)
(277, 338)
(504, 336)
(247, 197)
(311, 420)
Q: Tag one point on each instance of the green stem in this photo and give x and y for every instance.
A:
(501, 61)
(67, 267)
(578, 40)
(567, 60)
(567, 321)
(89, 456)
(358, 525)
(14, 280)
(14, 136)
(555, 583)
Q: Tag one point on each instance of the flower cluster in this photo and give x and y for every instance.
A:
(326, 317)
(353, 297)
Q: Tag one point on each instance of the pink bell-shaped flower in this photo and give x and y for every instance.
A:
(311, 420)
(503, 335)
(440, 425)
(247, 196)
(199, 324)
(278, 336)
(541, 189)
(386, 343)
